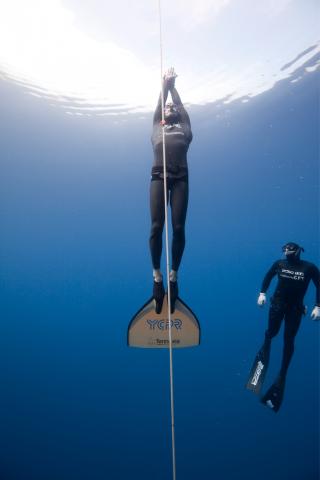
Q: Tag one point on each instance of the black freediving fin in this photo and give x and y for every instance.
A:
(274, 396)
(258, 370)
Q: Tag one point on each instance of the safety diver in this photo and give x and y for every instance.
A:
(294, 276)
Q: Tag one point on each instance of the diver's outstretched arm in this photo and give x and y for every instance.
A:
(157, 117)
(177, 100)
(168, 84)
(175, 96)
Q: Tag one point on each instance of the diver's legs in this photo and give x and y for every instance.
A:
(264, 352)
(276, 315)
(157, 221)
(179, 202)
(274, 396)
(291, 326)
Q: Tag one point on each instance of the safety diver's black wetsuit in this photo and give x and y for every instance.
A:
(177, 140)
(294, 276)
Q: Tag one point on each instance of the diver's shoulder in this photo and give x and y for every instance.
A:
(310, 265)
(280, 262)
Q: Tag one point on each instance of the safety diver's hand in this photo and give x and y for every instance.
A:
(262, 299)
(170, 78)
(315, 314)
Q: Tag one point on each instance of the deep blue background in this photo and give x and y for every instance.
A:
(76, 402)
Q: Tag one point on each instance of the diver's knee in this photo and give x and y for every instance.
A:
(289, 340)
(178, 231)
(271, 333)
(156, 229)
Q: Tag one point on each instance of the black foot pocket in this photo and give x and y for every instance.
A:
(158, 295)
(173, 294)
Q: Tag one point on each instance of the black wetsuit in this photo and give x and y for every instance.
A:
(177, 140)
(287, 301)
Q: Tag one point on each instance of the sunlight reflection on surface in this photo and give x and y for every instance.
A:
(44, 50)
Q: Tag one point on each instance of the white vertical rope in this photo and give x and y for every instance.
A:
(167, 252)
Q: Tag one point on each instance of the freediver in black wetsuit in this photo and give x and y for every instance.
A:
(178, 135)
(294, 276)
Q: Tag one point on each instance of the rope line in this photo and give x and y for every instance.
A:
(167, 252)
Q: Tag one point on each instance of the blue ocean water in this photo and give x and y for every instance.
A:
(76, 402)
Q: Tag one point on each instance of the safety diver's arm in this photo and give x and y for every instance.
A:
(315, 276)
(268, 277)
(262, 299)
(316, 280)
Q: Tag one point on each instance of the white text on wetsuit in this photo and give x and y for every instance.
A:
(291, 274)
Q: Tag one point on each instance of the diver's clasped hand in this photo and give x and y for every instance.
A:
(170, 78)
(262, 299)
(315, 314)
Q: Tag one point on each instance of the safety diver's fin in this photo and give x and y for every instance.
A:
(149, 329)
(274, 396)
(258, 370)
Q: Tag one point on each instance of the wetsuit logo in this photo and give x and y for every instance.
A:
(257, 373)
(292, 274)
(169, 126)
(173, 129)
